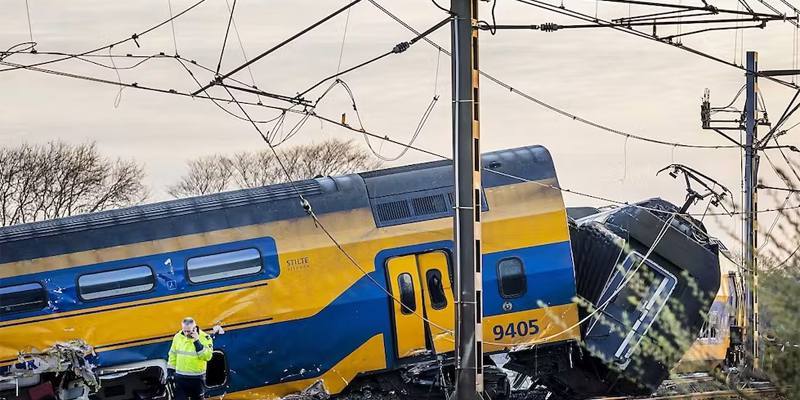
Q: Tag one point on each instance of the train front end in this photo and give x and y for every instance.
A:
(646, 277)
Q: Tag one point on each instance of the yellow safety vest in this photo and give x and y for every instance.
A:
(184, 357)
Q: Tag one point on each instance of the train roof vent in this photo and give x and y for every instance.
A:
(415, 206)
(434, 204)
(393, 210)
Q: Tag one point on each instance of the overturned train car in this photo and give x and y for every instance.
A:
(88, 304)
(646, 278)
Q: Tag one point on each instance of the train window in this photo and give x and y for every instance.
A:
(632, 300)
(407, 298)
(511, 277)
(118, 282)
(227, 265)
(216, 370)
(24, 297)
(733, 292)
(436, 289)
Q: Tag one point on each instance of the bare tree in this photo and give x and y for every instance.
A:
(216, 173)
(58, 179)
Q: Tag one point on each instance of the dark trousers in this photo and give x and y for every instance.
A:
(189, 387)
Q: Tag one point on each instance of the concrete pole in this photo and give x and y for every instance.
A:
(751, 202)
(467, 221)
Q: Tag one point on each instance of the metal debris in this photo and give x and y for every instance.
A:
(314, 392)
(67, 358)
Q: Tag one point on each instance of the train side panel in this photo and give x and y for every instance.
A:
(295, 309)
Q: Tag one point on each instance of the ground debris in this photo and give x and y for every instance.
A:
(533, 394)
(314, 392)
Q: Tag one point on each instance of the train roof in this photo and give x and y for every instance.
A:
(264, 204)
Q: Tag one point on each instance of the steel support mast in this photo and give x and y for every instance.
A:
(751, 203)
(467, 221)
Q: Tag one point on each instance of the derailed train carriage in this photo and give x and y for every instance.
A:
(646, 276)
(297, 312)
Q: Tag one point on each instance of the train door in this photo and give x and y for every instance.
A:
(424, 316)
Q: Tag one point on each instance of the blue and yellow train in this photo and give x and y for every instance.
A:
(294, 309)
(293, 312)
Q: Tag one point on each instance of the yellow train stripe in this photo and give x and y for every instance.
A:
(161, 299)
(505, 202)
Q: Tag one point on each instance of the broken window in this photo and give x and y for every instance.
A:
(407, 298)
(217, 370)
(118, 282)
(24, 297)
(226, 265)
(511, 278)
(630, 303)
(733, 299)
(436, 289)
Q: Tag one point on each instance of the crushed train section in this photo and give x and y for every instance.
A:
(598, 302)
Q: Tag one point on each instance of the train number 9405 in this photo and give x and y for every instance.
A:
(514, 329)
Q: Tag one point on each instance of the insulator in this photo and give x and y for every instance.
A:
(548, 27)
(401, 47)
(705, 114)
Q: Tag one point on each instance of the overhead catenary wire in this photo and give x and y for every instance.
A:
(141, 59)
(420, 125)
(541, 103)
(241, 47)
(788, 183)
(778, 216)
(575, 14)
(735, 42)
(280, 45)
(30, 26)
(706, 6)
(397, 49)
(216, 101)
(788, 258)
(662, 15)
(89, 58)
(172, 25)
(225, 40)
(727, 28)
(315, 115)
(552, 27)
(729, 105)
(440, 7)
(344, 40)
(546, 105)
(792, 127)
(356, 130)
(19, 47)
(787, 112)
(134, 38)
(135, 85)
(118, 98)
(786, 159)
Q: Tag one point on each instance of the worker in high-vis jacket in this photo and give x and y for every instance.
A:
(186, 365)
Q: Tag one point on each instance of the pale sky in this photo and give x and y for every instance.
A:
(619, 80)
